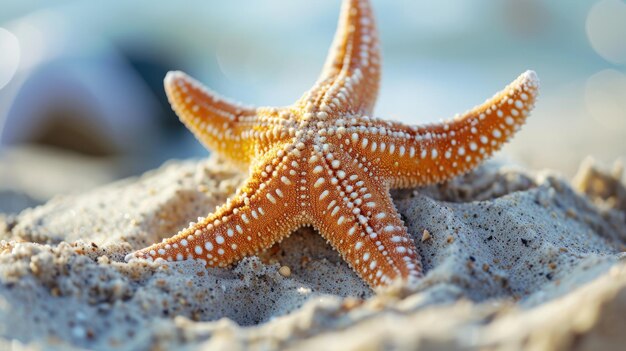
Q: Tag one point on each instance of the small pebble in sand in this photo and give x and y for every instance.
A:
(351, 303)
(426, 235)
(571, 213)
(285, 271)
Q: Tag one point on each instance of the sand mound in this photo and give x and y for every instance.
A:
(501, 248)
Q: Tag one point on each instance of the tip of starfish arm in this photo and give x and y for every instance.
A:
(172, 76)
(530, 78)
(137, 255)
(400, 287)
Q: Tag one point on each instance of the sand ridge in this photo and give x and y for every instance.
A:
(502, 242)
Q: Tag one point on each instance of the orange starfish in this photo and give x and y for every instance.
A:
(324, 162)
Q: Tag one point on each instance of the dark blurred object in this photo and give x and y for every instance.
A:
(12, 202)
(88, 110)
(96, 106)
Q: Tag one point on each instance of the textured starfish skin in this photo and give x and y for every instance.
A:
(323, 162)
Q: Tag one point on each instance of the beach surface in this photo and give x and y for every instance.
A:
(513, 259)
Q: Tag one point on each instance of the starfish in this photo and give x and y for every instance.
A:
(324, 162)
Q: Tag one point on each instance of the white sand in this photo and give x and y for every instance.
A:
(513, 260)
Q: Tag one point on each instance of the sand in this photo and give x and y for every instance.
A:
(513, 259)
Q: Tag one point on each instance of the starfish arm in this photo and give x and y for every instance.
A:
(262, 212)
(354, 212)
(225, 127)
(410, 156)
(350, 78)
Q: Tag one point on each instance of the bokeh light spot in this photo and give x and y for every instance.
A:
(606, 29)
(10, 49)
(605, 99)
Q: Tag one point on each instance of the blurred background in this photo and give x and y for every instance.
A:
(82, 102)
